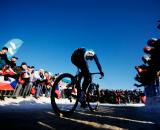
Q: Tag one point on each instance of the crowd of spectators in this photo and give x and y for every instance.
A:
(24, 79)
(122, 96)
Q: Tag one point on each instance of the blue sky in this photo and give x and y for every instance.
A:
(51, 29)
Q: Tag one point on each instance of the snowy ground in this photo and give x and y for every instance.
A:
(26, 103)
(43, 102)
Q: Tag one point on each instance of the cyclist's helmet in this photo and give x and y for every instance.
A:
(89, 55)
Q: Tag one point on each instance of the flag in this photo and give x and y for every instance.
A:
(13, 45)
(6, 85)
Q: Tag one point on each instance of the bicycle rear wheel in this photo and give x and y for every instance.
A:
(64, 95)
(93, 97)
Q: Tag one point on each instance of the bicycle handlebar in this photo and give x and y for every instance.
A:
(97, 73)
(94, 73)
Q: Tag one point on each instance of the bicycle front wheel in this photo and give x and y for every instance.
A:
(64, 95)
(93, 97)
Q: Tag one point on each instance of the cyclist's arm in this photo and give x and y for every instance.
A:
(97, 63)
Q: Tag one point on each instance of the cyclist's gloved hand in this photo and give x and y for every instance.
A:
(102, 75)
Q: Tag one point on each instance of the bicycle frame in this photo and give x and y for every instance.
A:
(79, 76)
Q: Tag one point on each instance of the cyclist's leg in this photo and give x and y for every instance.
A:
(79, 61)
(87, 79)
(85, 84)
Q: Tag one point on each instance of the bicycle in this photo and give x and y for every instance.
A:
(66, 92)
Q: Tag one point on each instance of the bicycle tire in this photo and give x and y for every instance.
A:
(54, 104)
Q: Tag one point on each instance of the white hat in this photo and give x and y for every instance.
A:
(41, 70)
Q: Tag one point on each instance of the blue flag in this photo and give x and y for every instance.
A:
(13, 45)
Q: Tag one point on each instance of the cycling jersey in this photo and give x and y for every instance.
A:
(79, 59)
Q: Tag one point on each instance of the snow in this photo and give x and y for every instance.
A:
(26, 103)
(127, 104)
(43, 102)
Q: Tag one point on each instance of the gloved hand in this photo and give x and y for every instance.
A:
(102, 75)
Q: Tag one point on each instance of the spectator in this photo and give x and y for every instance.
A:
(48, 85)
(13, 62)
(39, 79)
(27, 78)
(32, 80)
(32, 69)
(5, 65)
(3, 57)
(21, 80)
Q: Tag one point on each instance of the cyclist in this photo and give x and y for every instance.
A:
(79, 58)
